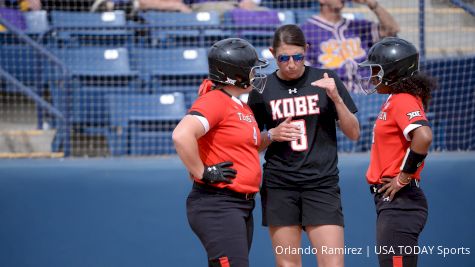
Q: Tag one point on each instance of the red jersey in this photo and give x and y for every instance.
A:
(232, 135)
(399, 115)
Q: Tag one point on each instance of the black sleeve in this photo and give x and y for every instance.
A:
(343, 93)
(258, 107)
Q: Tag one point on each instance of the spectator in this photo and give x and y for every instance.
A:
(23, 5)
(340, 44)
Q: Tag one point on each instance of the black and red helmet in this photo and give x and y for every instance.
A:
(235, 61)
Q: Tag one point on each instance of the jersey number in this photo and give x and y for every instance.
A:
(302, 143)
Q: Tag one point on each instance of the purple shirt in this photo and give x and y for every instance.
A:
(339, 46)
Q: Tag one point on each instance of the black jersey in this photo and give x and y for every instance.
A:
(314, 156)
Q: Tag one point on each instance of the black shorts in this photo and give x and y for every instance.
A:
(320, 205)
(223, 223)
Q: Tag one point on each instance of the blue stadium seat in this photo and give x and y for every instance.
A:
(95, 72)
(190, 92)
(172, 29)
(87, 28)
(258, 26)
(36, 22)
(175, 67)
(142, 124)
(96, 61)
(23, 63)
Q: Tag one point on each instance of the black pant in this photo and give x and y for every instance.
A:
(399, 223)
(223, 223)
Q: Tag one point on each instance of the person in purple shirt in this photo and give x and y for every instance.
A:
(339, 43)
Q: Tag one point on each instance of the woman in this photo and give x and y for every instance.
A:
(218, 143)
(401, 140)
(300, 107)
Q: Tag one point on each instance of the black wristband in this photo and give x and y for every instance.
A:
(412, 161)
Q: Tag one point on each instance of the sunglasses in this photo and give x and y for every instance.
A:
(286, 58)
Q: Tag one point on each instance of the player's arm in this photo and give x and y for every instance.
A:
(185, 137)
(421, 140)
(388, 25)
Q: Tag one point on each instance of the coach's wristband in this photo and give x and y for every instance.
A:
(412, 161)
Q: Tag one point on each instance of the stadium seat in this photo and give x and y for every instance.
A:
(258, 26)
(174, 67)
(172, 29)
(143, 124)
(36, 22)
(94, 72)
(23, 63)
(190, 92)
(87, 28)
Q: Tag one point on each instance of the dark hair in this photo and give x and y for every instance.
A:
(289, 34)
(419, 85)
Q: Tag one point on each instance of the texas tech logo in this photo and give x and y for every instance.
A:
(414, 114)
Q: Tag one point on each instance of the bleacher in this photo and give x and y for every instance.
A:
(124, 76)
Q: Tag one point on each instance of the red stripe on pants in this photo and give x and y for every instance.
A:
(397, 261)
(225, 262)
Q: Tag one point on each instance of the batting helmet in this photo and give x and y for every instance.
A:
(396, 58)
(234, 61)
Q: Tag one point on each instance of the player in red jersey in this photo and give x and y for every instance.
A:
(218, 142)
(401, 140)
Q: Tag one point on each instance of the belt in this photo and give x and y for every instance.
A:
(223, 191)
(375, 187)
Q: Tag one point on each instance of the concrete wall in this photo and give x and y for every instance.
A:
(131, 212)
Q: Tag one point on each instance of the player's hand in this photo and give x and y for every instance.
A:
(220, 172)
(329, 85)
(286, 131)
(390, 187)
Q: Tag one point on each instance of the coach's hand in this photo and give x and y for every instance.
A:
(329, 85)
(220, 172)
(286, 131)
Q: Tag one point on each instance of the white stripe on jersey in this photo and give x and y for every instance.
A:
(203, 121)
